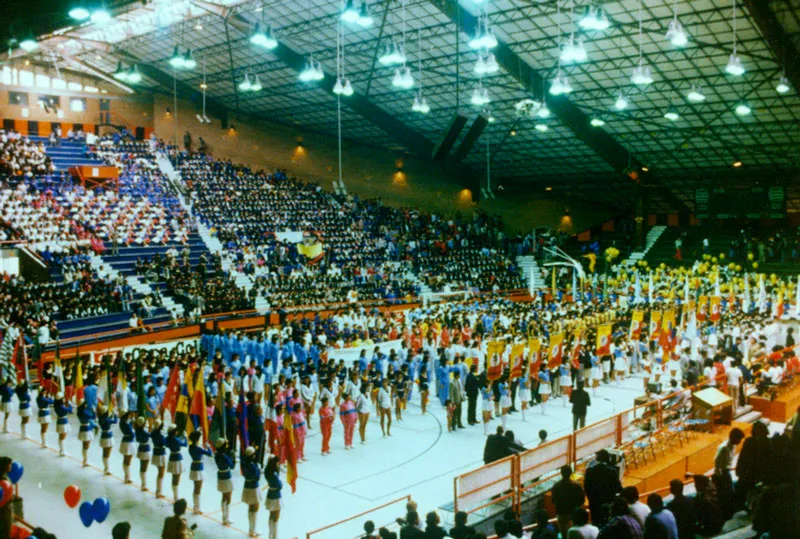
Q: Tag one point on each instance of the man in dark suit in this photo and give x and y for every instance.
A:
(472, 389)
(410, 530)
(601, 484)
(496, 446)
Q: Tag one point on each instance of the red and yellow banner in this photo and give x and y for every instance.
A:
(637, 318)
(715, 303)
(494, 360)
(534, 355)
(556, 350)
(515, 358)
(604, 338)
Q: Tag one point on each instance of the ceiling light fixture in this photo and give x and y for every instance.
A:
(622, 102)
(696, 95)
(188, 61)
(672, 115)
(256, 86)
(177, 60)
(594, 18)
(597, 122)
(350, 13)
(543, 112)
(394, 55)
(120, 73)
(79, 13)
(134, 77)
(676, 34)
(100, 16)
(28, 44)
(364, 18)
(737, 163)
(312, 71)
(245, 85)
(263, 38)
(542, 128)
(783, 85)
(743, 109)
(484, 38)
(641, 75)
(480, 96)
(420, 104)
(734, 66)
(560, 84)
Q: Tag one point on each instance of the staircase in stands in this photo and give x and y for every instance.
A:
(652, 238)
(531, 272)
(68, 154)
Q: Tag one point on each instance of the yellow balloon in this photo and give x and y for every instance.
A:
(731, 266)
(714, 260)
(722, 256)
(750, 256)
(738, 267)
(755, 265)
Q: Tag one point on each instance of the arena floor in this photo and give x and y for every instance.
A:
(421, 459)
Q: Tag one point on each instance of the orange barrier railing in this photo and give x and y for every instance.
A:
(339, 534)
(488, 485)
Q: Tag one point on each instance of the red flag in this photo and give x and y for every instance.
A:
(170, 401)
(22, 361)
(198, 407)
(556, 350)
(291, 456)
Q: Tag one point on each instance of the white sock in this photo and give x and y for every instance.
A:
(175, 492)
(60, 446)
(196, 498)
(486, 427)
(543, 405)
(523, 414)
(273, 529)
(43, 442)
(85, 456)
(251, 518)
(224, 512)
(503, 419)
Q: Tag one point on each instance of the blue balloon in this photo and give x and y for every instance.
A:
(15, 473)
(85, 512)
(100, 509)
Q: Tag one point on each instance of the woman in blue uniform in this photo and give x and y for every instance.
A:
(6, 394)
(44, 402)
(86, 419)
(174, 443)
(224, 484)
(62, 410)
(273, 503)
(143, 452)
(126, 445)
(106, 420)
(196, 472)
(251, 494)
(24, 396)
(159, 459)
(422, 379)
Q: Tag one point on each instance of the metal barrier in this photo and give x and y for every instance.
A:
(488, 485)
(336, 531)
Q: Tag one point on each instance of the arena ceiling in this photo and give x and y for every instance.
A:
(673, 157)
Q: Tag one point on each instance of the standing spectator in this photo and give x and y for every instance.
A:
(660, 524)
(602, 485)
(496, 446)
(121, 530)
(472, 389)
(581, 529)
(580, 405)
(723, 462)
(683, 510)
(457, 398)
(544, 530)
(461, 530)
(751, 467)
(638, 509)
(622, 525)
(734, 375)
(567, 496)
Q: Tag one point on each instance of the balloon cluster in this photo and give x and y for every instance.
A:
(611, 253)
(89, 512)
(7, 485)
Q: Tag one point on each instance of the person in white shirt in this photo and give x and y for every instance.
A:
(385, 407)
(734, 376)
(581, 529)
(638, 509)
(775, 374)
(363, 407)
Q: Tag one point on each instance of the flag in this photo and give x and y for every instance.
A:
(746, 300)
(637, 290)
(650, 288)
(667, 337)
(141, 406)
(122, 383)
(184, 398)
(291, 456)
(170, 401)
(534, 356)
(636, 325)
(715, 303)
(556, 350)
(604, 337)
(517, 351)
(198, 412)
(576, 349)
(762, 295)
(77, 380)
(779, 307)
(243, 429)
(494, 353)
(655, 325)
(104, 385)
(702, 308)
(58, 370)
(797, 300)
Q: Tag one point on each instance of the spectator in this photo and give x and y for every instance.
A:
(777, 514)
(175, 527)
(514, 523)
(660, 523)
(457, 398)
(638, 509)
(461, 530)
(432, 528)
(581, 529)
(542, 437)
(501, 530)
(723, 462)
(580, 405)
(753, 462)
(369, 528)
(544, 530)
(472, 389)
(622, 525)
(121, 530)
(710, 518)
(496, 446)
(567, 496)
(513, 445)
(410, 529)
(683, 509)
(601, 484)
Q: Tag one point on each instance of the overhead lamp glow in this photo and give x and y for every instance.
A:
(403, 78)
(256, 86)
(560, 85)
(484, 39)
(364, 18)
(350, 13)
(188, 61)
(79, 13)
(594, 18)
(177, 60)
(542, 128)
(263, 38)
(134, 77)
(543, 111)
(597, 122)
(480, 96)
(28, 45)
(641, 75)
(421, 105)
(120, 73)
(695, 95)
(621, 103)
(245, 85)
(734, 66)
(343, 87)
(312, 72)
(783, 85)
(676, 34)
(743, 109)
(573, 51)
(486, 65)
(100, 16)
(672, 115)
(393, 55)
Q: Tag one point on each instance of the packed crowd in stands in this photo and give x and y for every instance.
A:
(21, 156)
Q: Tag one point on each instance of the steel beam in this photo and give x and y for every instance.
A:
(779, 41)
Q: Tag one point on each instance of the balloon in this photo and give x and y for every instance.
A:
(6, 492)
(85, 512)
(100, 509)
(750, 256)
(72, 495)
(15, 474)
(755, 265)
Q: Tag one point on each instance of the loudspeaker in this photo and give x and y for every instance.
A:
(448, 139)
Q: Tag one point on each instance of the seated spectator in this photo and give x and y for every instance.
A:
(622, 525)
(432, 528)
(461, 530)
(660, 523)
(567, 496)
(496, 446)
(581, 529)
(710, 517)
(410, 529)
(683, 509)
(638, 509)
(544, 530)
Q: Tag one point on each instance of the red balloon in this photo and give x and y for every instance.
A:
(6, 492)
(72, 495)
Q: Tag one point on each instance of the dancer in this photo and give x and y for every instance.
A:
(6, 394)
(505, 403)
(43, 402)
(298, 420)
(363, 407)
(159, 459)
(281, 433)
(384, 405)
(347, 413)
(62, 410)
(24, 397)
(251, 494)
(309, 397)
(565, 381)
(400, 394)
(224, 484)
(487, 406)
(326, 424)
(273, 503)
(422, 379)
(144, 451)
(271, 423)
(106, 419)
(544, 385)
(524, 390)
(174, 443)
(196, 471)
(86, 418)
(126, 445)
